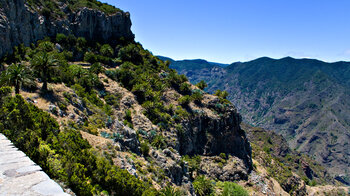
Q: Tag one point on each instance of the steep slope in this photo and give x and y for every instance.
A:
(26, 23)
(305, 100)
(88, 110)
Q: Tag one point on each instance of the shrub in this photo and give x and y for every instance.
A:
(159, 142)
(197, 97)
(185, 100)
(144, 147)
(203, 186)
(90, 57)
(107, 50)
(185, 88)
(96, 68)
(222, 155)
(62, 154)
(231, 188)
(112, 100)
(193, 162)
(202, 85)
(171, 191)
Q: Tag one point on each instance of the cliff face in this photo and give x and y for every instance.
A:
(19, 24)
(210, 135)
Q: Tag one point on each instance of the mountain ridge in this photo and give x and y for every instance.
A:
(292, 97)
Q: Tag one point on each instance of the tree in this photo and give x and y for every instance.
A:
(107, 50)
(43, 63)
(202, 85)
(16, 75)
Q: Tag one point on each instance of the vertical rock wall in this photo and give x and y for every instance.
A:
(19, 24)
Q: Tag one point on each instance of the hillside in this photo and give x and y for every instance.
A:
(305, 100)
(103, 116)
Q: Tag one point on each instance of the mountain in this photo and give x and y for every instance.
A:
(103, 116)
(305, 100)
(194, 64)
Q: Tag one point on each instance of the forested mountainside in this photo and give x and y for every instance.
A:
(305, 100)
(105, 117)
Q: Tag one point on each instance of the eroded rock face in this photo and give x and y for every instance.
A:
(295, 186)
(211, 135)
(19, 24)
(127, 137)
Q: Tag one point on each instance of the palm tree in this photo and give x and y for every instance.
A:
(16, 75)
(43, 62)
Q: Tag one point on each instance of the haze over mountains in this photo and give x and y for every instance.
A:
(305, 100)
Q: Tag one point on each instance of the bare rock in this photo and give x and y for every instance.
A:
(19, 24)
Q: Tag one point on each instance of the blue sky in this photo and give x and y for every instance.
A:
(227, 31)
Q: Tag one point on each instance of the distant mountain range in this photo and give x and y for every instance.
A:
(305, 100)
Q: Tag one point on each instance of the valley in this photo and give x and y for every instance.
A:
(305, 100)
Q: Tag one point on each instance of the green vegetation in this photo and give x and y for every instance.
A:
(185, 100)
(60, 149)
(64, 155)
(16, 75)
(203, 186)
(171, 191)
(231, 189)
(193, 163)
(43, 63)
(222, 96)
(50, 8)
(202, 85)
(144, 147)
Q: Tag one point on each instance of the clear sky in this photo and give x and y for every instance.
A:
(227, 31)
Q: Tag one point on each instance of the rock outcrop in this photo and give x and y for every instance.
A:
(20, 24)
(215, 131)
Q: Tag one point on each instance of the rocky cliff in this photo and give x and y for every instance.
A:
(215, 131)
(19, 23)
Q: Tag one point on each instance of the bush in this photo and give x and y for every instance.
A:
(222, 96)
(171, 191)
(222, 155)
(107, 50)
(185, 100)
(63, 155)
(159, 142)
(185, 88)
(197, 97)
(193, 162)
(203, 186)
(96, 68)
(90, 57)
(202, 85)
(145, 148)
(231, 188)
